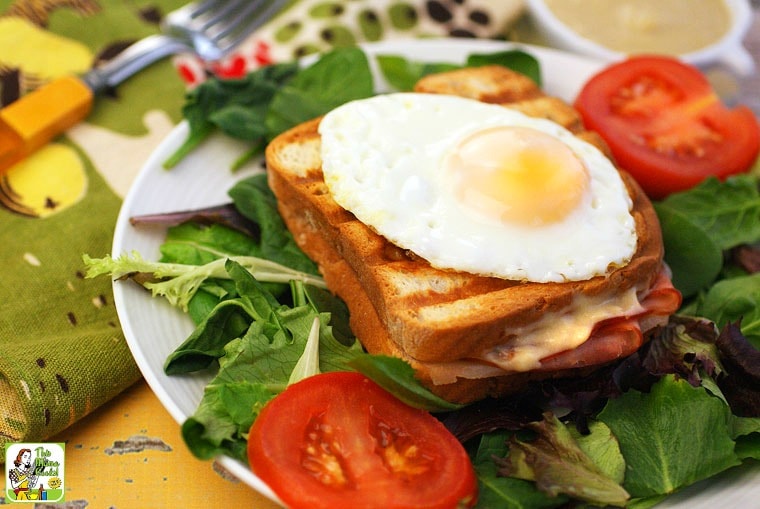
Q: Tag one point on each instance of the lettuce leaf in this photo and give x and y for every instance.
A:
(497, 490)
(255, 363)
(556, 463)
(178, 283)
(665, 458)
(746, 432)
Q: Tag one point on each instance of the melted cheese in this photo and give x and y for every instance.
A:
(648, 307)
(552, 334)
(560, 331)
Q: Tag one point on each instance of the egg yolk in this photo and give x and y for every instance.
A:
(517, 174)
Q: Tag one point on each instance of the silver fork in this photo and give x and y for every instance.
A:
(209, 28)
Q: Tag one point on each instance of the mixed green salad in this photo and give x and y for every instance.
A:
(682, 409)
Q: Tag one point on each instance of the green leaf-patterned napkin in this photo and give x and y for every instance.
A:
(62, 352)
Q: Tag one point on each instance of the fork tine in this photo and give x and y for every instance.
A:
(188, 12)
(218, 26)
(214, 11)
(198, 8)
(252, 15)
(248, 16)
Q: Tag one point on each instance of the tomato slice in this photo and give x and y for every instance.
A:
(338, 440)
(665, 125)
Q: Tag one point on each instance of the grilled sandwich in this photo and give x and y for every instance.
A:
(470, 335)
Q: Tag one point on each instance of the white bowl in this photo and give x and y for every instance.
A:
(727, 51)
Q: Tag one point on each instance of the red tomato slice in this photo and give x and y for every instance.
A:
(665, 125)
(338, 440)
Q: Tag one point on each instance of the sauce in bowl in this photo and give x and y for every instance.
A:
(672, 27)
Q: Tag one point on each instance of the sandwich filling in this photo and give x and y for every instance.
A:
(590, 331)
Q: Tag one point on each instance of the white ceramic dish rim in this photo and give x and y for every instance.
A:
(153, 329)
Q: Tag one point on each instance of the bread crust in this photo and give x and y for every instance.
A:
(400, 305)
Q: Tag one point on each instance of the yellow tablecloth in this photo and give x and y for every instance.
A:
(129, 454)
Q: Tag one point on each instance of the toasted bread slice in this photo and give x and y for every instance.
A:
(489, 84)
(400, 305)
(499, 85)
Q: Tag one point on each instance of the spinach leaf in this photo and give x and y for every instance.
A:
(236, 107)
(732, 300)
(255, 200)
(228, 320)
(207, 298)
(517, 60)
(729, 211)
(195, 244)
(325, 301)
(397, 377)
(693, 256)
(698, 225)
(339, 76)
(402, 73)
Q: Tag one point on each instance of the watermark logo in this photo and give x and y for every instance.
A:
(34, 472)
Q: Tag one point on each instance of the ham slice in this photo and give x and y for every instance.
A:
(620, 337)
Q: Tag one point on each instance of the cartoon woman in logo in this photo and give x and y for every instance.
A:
(23, 477)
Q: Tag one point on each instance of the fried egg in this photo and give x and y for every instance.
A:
(478, 187)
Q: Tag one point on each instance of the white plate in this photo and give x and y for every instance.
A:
(153, 328)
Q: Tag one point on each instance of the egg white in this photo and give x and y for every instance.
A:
(382, 160)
